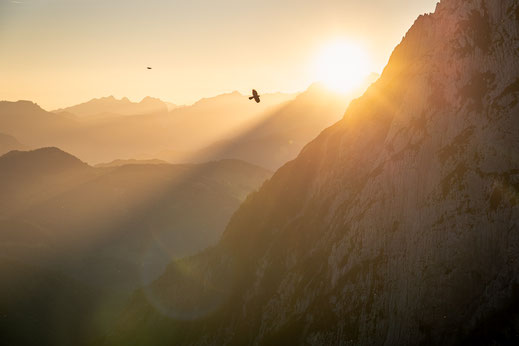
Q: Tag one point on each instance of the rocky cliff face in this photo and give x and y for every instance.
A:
(398, 225)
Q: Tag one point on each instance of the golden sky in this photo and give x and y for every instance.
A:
(63, 52)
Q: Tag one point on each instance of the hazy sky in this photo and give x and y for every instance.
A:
(61, 52)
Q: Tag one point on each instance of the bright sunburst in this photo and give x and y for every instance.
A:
(342, 66)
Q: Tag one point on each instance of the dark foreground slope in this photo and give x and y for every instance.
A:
(43, 307)
(396, 226)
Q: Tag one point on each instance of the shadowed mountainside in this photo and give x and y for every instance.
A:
(8, 143)
(124, 212)
(396, 226)
(33, 126)
(76, 240)
(52, 306)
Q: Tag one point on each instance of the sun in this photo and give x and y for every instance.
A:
(342, 66)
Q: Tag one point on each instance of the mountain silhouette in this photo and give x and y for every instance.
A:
(117, 163)
(108, 136)
(33, 126)
(395, 226)
(28, 177)
(111, 106)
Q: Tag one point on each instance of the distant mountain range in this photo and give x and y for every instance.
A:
(117, 163)
(99, 134)
(106, 106)
(226, 126)
(33, 126)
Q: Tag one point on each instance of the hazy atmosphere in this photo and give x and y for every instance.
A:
(209, 173)
(62, 52)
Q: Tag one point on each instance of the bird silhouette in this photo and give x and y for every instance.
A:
(255, 96)
(149, 68)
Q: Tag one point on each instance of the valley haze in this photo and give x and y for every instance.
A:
(362, 201)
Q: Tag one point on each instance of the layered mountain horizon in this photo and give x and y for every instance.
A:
(77, 239)
(107, 129)
(386, 215)
(124, 106)
(111, 105)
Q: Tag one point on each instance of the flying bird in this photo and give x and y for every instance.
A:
(149, 68)
(255, 96)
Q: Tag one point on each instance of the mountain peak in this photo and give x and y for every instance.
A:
(21, 105)
(46, 151)
(39, 161)
(111, 105)
(149, 99)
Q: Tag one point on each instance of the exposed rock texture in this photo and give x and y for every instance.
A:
(396, 226)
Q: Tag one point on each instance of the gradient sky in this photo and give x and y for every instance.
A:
(62, 52)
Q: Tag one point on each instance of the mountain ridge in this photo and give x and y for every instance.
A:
(109, 104)
(8, 143)
(106, 137)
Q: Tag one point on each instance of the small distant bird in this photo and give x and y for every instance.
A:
(149, 68)
(255, 96)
